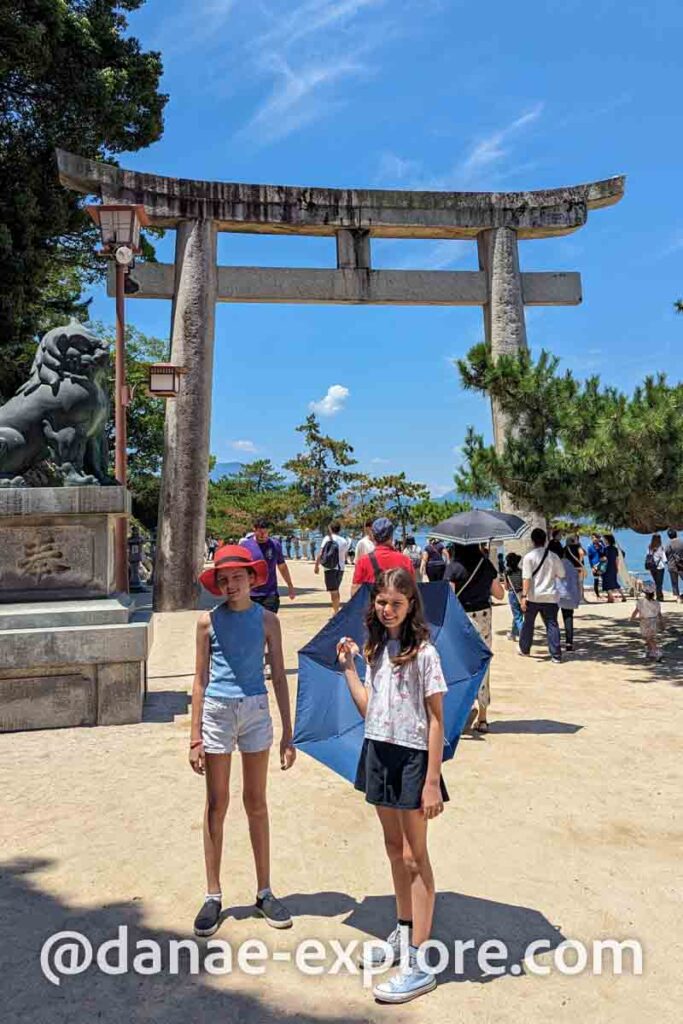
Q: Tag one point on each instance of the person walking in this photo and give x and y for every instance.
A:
(475, 581)
(263, 546)
(541, 569)
(230, 710)
(569, 595)
(414, 553)
(383, 557)
(656, 563)
(512, 581)
(610, 576)
(433, 563)
(674, 561)
(595, 552)
(649, 611)
(332, 557)
(367, 542)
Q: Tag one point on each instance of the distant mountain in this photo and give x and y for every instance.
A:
(225, 469)
(455, 496)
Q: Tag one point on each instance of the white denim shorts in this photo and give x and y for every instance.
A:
(242, 722)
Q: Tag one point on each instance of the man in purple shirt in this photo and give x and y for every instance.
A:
(262, 545)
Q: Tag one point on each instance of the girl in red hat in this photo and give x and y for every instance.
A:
(230, 710)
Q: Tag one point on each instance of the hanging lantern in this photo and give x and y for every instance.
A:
(164, 380)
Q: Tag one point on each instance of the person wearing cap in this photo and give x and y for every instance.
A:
(262, 545)
(383, 557)
(230, 711)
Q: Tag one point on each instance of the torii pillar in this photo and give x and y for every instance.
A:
(199, 209)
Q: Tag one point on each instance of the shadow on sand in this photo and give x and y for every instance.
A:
(600, 638)
(31, 915)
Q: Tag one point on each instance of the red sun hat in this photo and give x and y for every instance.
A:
(232, 556)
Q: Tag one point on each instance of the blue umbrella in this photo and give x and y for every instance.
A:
(328, 725)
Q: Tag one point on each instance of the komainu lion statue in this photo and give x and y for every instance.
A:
(58, 418)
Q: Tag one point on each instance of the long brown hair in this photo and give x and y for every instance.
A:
(656, 541)
(414, 629)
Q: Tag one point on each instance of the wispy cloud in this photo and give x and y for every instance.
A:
(197, 22)
(494, 148)
(484, 163)
(297, 97)
(332, 403)
(305, 86)
(313, 16)
(379, 462)
(243, 446)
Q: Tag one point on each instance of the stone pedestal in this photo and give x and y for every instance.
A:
(71, 652)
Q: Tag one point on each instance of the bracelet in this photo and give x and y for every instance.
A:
(196, 743)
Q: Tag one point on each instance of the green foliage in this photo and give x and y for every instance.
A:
(429, 512)
(359, 501)
(70, 77)
(396, 495)
(320, 471)
(257, 490)
(578, 449)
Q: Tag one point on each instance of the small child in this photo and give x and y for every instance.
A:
(400, 764)
(513, 585)
(230, 709)
(649, 611)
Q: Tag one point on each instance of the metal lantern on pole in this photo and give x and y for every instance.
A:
(120, 233)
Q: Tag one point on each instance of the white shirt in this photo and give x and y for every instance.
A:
(542, 585)
(364, 547)
(342, 547)
(396, 710)
(659, 556)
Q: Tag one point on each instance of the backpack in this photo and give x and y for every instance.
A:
(650, 563)
(414, 553)
(329, 558)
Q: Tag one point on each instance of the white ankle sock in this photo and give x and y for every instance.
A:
(262, 893)
(214, 896)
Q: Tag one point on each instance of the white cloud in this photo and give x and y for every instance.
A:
(486, 161)
(379, 462)
(332, 403)
(295, 99)
(495, 147)
(243, 446)
(311, 17)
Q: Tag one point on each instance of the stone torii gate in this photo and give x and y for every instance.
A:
(197, 210)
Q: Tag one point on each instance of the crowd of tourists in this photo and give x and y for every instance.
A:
(401, 699)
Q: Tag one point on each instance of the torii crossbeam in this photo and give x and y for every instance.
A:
(197, 210)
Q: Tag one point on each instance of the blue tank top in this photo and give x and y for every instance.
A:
(236, 644)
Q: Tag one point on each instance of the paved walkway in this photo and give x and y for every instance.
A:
(564, 822)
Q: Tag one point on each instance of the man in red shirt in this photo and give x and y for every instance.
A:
(385, 553)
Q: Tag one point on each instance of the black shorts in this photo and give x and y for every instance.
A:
(393, 776)
(333, 579)
(269, 601)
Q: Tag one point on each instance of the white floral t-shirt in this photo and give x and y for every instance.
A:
(396, 710)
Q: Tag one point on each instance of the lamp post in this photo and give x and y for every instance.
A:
(120, 232)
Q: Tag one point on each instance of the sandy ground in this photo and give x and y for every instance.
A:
(564, 823)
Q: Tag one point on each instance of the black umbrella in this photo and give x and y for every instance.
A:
(480, 525)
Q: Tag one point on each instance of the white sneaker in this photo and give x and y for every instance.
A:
(405, 985)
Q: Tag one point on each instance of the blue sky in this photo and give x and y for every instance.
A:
(435, 94)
